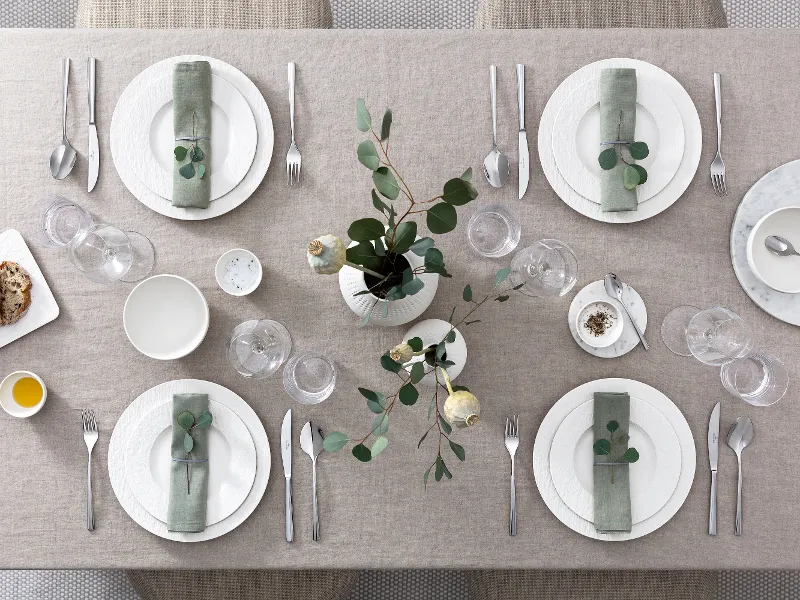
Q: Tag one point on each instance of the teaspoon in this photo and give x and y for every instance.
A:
(780, 246)
(495, 165)
(614, 289)
(63, 157)
(740, 435)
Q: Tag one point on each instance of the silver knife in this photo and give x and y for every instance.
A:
(94, 148)
(524, 167)
(286, 455)
(713, 454)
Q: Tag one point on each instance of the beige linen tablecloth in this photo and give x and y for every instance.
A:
(521, 357)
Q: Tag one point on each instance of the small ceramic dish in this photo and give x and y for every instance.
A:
(781, 273)
(238, 272)
(612, 328)
(7, 399)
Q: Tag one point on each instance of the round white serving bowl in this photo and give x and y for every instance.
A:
(165, 317)
(7, 400)
(244, 258)
(611, 334)
(781, 273)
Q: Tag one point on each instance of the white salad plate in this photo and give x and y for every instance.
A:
(692, 141)
(124, 162)
(150, 138)
(575, 398)
(653, 478)
(148, 461)
(122, 436)
(576, 138)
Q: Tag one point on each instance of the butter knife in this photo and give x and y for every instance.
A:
(94, 148)
(713, 454)
(524, 167)
(286, 455)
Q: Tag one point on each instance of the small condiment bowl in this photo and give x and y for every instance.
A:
(612, 332)
(245, 258)
(7, 400)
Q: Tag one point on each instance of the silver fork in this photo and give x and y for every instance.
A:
(90, 437)
(718, 166)
(512, 442)
(293, 157)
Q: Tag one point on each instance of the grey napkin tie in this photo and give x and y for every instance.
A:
(191, 97)
(187, 508)
(612, 501)
(617, 94)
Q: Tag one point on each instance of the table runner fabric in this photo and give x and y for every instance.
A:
(187, 505)
(617, 121)
(612, 493)
(191, 99)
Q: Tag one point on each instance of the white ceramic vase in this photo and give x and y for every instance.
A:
(431, 332)
(400, 312)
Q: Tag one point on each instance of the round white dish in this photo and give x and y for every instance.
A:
(150, 138)
(7, 399)
(653, 478)
(610, 335)
(431, 332)
(628, 340)
(781, 273)
(165, 317)
(565, 405)
(231, 454)
(238, 272)
(692, 145)
(146, 402)
(576, 138)
(241, 192)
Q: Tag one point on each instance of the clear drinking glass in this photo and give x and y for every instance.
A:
(673, 329)
(493, 231)
(106, 254)
(757, 379)
(257, 348)
(547, 269)
(60, 220)
(717, 335)
(309, 378)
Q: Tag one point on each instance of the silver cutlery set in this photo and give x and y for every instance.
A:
(740, 435)
(311, 439)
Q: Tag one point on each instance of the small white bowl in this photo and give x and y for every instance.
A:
(238, 272)
(781, 273)
(166, 317)
(610, 335)
(7, 400)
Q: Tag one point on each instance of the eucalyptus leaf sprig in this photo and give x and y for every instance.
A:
(396, 361)
(611, 447)
(188, 422)
(632, 174)
(195, 154)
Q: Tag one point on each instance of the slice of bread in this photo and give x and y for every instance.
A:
(15, 292)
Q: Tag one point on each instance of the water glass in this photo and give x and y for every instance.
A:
(106, 254)
(309, 378)
(493, 231)
(545, 270)
(757, 379)
(60, 220)
(258, 348)
(717, 335)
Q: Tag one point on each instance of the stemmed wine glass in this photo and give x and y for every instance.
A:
(714, 336)
(106, 254)
(547, 269)
(257, 348)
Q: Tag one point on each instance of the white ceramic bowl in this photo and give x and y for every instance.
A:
(7, 400)
(610, 335)
(238, 272)
(165, 317)
(781, 273)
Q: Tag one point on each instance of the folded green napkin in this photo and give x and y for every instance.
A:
(617, 93)
(612, 501)
(191, 97)
(187, 508)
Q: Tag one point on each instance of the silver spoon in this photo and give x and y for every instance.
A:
(63, 157)
(614, 289)
(311, 439)
(780, 246)
(739, 437)
(495, 165)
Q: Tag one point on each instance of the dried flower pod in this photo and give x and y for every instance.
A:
(402, 353)
(327, 255)
(461, 409)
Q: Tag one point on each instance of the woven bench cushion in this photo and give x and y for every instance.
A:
(204, 14)
(667, 14)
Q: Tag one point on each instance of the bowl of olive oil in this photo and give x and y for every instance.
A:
(22, 394)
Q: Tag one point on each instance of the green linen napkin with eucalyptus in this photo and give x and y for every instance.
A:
(617, 96)
(191, 97)
(612, 495)
(188, 481)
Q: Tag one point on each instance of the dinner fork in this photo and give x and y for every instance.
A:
(512, 442)
(718, 166)
(90, 437)
(293, 158)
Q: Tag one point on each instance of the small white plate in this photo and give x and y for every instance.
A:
(238, 272)
(166, 317)
(7, 399)
(611, 334)
(781, 273)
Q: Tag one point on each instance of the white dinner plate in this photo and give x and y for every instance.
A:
(237, 195)
(576, 138)
(150, 137)
(563, 407)
(231, 457)
(653, 478)
(692, 144)
(145, 403)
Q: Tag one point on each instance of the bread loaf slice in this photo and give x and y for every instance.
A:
(15, 292)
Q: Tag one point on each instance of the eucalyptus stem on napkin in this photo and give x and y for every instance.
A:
(191, 95)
